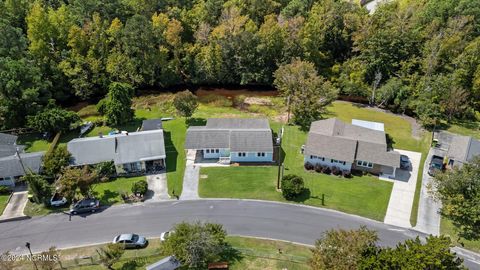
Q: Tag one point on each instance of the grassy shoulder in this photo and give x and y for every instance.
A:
(255, 254)
(447, 228)
(3, 202)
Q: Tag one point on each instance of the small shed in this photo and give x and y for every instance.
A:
(168, 263)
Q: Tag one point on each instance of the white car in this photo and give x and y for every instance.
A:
(57, 200)
(165, 235)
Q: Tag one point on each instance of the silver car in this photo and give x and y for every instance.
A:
(130, 240)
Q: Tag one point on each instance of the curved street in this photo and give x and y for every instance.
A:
(240, 217)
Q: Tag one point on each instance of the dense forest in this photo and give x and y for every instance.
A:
(418, 56)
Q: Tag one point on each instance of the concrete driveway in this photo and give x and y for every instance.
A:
(157, 187)
(16, 204)
(403, 191)
(190, 178)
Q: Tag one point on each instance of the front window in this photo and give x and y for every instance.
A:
(241, 154)
(260, 154)
(208, 151)
(217, 151)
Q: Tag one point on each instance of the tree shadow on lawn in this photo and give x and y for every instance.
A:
(133, 125)
(302, 197)
(195, 121)
(108, 197)
(171, 152)
(230, 254)
(390, 141)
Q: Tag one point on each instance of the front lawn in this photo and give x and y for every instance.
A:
(109, 193)
(3, 202)
(365, 196)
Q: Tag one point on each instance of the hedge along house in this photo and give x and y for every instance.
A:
(232, 140)
(361, 146)
(14, 162)
(136, 152)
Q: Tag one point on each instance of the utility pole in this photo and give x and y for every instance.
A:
(20, 159)
(288, 106)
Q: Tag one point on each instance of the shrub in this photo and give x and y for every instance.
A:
(292, 186)
(102, 106)
(326, 170)
(140, 187)
(335, 170)
(185, 103)
(318, 168)
(105, 169)
(239, 101)
(4, 190)
(347, 174)
(308, 166)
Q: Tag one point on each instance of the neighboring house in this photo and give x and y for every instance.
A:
(151, 124)
(167, 263)
(14, 162)
(136, 152)
(462, 149)
(361, 146)
(232, 140)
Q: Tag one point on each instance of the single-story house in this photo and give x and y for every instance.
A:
(334, 143)
(136, 152)
(462, 149)
(14, 162)
(151, 124)
(232, 140)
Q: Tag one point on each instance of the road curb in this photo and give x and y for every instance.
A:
(14, 219)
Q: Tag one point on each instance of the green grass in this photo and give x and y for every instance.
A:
(3, 202)
(33, 209)
(33, 142)
(254, 254)
(109, 193)
(447, 228)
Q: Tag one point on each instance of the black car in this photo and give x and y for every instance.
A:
(436, 164)
(404, 162)
(84, 206)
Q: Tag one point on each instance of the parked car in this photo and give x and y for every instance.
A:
(404, 162)
(436, 164)
(165, 235)
(130, 240)
(57, 200)
(84, 206)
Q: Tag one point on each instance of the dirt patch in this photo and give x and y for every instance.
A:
(229, 93)
(282, 118)
(258, 101)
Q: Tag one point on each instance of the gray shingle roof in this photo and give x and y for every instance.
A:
(11, 166)
(335, 139)
(237, 123)
(237, 134)
(330, 147)
(7, 150)
(463, 148)
(151, 124)
(121, 148)
(7, 139)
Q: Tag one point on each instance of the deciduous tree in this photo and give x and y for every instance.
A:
(186, 103)
(119, 102)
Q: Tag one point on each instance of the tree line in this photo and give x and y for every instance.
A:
(409, 56)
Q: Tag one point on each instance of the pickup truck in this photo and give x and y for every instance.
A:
(436, 164)
(57, 200)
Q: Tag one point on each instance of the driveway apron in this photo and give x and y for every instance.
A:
(190, 178)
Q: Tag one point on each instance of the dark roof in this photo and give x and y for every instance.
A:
(463, 148)
(236, 134)
(335, 139)
(237, 123)
(11, 166)
(151, 124)
(121, 148)
(7, 139)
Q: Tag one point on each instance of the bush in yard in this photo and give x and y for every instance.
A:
(4, 190)
(140, 187)
(326, 170)
(186, 103)
(308, 166)
(335, 170)
(110, 254)
(38, 187)
(346, 174)
(292, 186)
(105, 169)
(318, 168)
(102, 106)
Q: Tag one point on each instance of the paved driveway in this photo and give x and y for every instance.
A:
(15, 206)
(157, 187)
(190, 178)
(403, 191)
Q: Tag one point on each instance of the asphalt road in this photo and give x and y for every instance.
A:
(239, 217)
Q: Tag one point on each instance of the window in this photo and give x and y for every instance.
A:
(322, 158)
(334, 161)
(364, 164)
(217, 151)
(208, 151)
(241, 154)
(260, 154)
